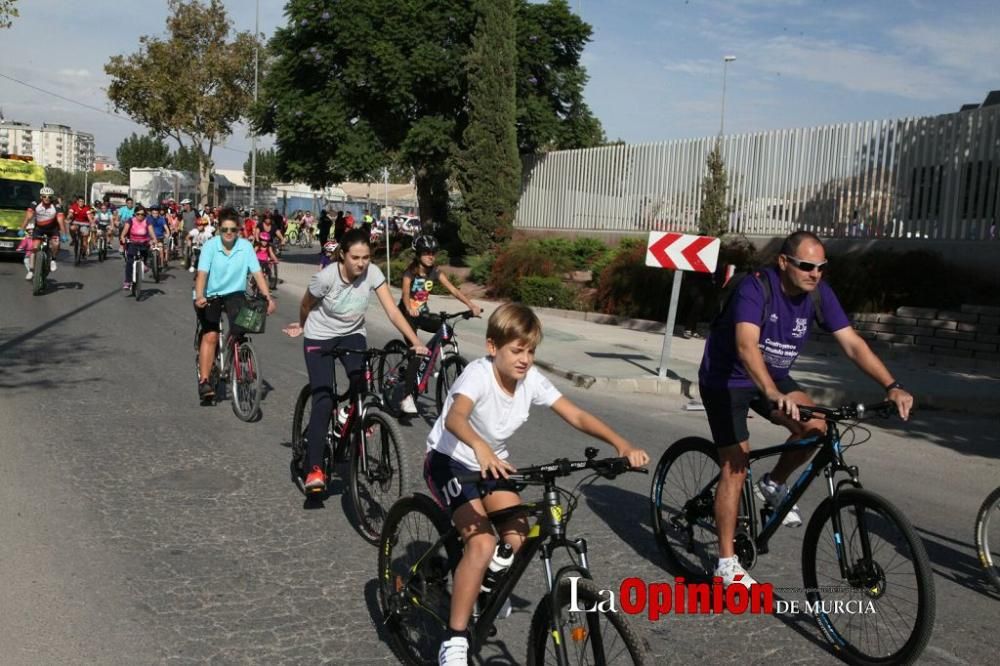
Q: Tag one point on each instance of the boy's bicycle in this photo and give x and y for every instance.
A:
(365, 438)
(857, 546)
(234, 364)
(987, 543)
(420, 549)
(444, 362)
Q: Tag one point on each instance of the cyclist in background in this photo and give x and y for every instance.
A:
(160, 226)
(189, 216)
(197, 238)
(104, 219)
(419, 280)
(79, 224)
(746, 366)
(136, 238)
(49, 222)
(122, 216)
(223, 266)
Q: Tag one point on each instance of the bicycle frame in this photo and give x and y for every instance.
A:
(445, 335)
(356, 412)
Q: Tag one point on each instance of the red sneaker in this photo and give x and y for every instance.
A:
(315, 480)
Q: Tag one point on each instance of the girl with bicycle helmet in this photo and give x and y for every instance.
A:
(419, 280)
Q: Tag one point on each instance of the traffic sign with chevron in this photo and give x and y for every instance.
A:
(682, 252)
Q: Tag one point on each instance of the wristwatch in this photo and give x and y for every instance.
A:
(894, 385)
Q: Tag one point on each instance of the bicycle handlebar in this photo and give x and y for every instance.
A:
(852, 412)
(467, 314)
(608, 468)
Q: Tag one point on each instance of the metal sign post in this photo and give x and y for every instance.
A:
(680, 252)
(668, 335)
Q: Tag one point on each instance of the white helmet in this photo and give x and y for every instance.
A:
(46, 192)
(185, 201)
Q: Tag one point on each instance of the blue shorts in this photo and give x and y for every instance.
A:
(440, 471)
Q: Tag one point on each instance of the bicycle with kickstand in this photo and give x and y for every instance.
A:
(857, 547)
(420, 549)
(443, 362)
(362, 435)
(235, 366)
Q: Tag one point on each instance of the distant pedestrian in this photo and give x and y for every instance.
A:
(323, 227)
(339, 226)
(993, 230)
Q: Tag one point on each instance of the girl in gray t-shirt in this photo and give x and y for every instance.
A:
(332, 316)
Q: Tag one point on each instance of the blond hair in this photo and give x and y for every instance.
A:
(514, 322)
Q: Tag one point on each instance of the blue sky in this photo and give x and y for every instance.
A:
(655, 65)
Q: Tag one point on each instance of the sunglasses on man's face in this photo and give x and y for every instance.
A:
(229, 230)
(140, 214)
(806, 266)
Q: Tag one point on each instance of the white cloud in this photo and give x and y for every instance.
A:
(972, 48)
(70, 73)
(703, 67)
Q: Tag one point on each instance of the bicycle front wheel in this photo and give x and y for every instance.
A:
(598, 637)
(245, 382)
(391, 367)
(451, 368)
(883, 611)
(416, 557)
(41, 268)
(682, 500)
(381, 480)
(988, 537)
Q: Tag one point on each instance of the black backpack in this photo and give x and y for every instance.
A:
(734, 282)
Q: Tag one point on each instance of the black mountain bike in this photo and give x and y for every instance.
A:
(367, 439)
(102, 245)
(420, 549)
(235, 366)
(987, 544)
(154, 261)
(857, 546)
(43, 265)
(444, 362)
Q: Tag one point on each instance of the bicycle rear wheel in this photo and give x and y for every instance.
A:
(391, 372)
(416, 557)
(373, 491)
(604, 637)
(451, 368)
(245, 382)
(886, 604)
(988, 537)
(682, 500)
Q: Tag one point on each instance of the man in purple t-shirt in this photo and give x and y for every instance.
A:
(746, 365)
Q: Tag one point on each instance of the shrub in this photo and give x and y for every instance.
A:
(587, 252)
(629, 288)
(480, 267)
(520, 259)
(547, 292)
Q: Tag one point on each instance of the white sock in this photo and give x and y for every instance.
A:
(725, 560)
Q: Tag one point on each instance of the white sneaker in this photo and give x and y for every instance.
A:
(191, 269)
(29, 275)
(731, 571)
(774, 494)
(454, 652)
(52, 266)
(407, 406)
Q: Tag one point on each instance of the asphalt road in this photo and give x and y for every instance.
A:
(140, 527)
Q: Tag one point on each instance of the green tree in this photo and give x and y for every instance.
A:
(267, 168)
(8, 12)
(714, 217)
(354, 84)
(200, 77)
(489, 167)
(142, 151)
(184, 159)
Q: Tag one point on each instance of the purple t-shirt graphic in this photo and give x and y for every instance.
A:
(785, 330)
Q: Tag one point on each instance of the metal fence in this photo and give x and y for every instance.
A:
(930, 177)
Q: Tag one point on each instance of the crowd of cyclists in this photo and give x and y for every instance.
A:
(746, 363)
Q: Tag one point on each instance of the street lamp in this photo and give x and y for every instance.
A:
(253, 139)
(725, 62)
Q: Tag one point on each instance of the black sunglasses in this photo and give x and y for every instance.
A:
(807, 266)
(227, 230)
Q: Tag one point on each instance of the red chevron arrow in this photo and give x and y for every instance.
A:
(659, 249)
(691, 253)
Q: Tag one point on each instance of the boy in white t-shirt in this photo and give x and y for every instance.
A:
(486, 405)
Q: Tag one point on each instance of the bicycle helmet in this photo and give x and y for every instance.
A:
(425, 243)
(330, 246)
(46, 192)
(185, 201)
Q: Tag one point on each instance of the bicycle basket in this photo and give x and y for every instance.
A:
(252, 315)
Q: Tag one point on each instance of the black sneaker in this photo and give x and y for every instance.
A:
(205, 390)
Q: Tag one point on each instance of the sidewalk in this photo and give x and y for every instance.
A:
(602, 357)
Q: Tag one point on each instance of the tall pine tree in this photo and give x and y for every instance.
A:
(714, 218)
(490, 173)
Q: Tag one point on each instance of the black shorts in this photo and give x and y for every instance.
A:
(424, 321)
(210, 315)
(47, 231)
(440, 471)
(727, 410)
